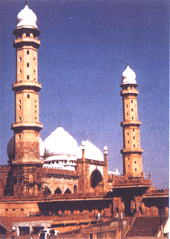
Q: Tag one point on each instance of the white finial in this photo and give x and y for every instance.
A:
(128, 76)
(105, 150)
(83, 144)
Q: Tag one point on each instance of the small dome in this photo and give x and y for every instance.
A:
(26, 18)
(60, 142)
(11, 148)
(128, 76)
(91, 151)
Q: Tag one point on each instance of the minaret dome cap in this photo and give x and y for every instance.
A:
(128, 76)
(26, 18)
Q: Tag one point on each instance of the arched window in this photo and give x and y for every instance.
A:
(67, 191)
(96, 178)
(47, 191)
(58, 191)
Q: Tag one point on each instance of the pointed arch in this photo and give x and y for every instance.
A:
(67, 191)
(96, 178)
(47, 191)
(58, 191)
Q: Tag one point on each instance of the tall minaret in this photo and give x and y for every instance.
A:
(26, 127)
(132, 153)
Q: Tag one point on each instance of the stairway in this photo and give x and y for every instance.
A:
(145, 226)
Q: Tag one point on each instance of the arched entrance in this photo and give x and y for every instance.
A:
(96, 179)
(130, 206)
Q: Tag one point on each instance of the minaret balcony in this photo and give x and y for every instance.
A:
(25, 85)
(130, 123)
(19, 42)
(126, 92)
(132, 150)
(27, 124)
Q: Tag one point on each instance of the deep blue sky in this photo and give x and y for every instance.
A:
(84, 49)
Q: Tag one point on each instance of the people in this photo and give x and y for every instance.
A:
(99, 217)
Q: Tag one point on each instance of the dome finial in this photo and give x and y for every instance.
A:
(26, 18)
(128, 76)
(59, 124)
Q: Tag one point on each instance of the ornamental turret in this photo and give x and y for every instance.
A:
(26, 162)
(132, 153)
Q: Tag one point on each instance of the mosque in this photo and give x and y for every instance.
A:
(60, 184)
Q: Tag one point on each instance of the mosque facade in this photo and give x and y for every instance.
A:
(58, 178)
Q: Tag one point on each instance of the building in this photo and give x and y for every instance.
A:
(57, 183)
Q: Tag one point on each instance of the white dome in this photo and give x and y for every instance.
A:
(128, 76)
(91, 151)
(26, 18)
(11, 148)
(60, 142)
